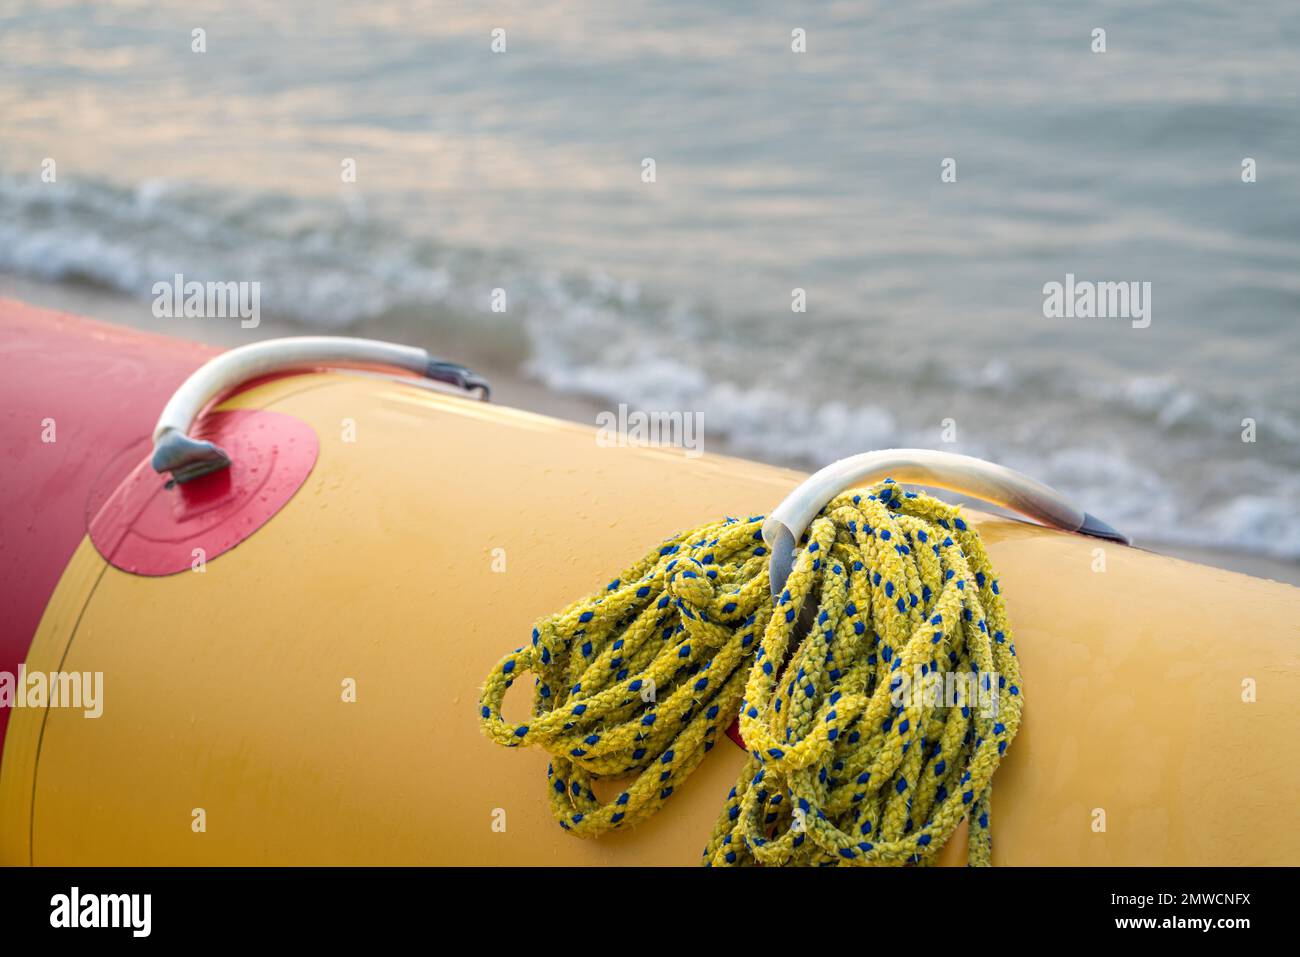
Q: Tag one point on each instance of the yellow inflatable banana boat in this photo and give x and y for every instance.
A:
(253, 631)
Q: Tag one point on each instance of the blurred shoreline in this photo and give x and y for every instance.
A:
(511, 386)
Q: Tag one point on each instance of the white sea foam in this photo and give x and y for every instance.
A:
(1158, 455)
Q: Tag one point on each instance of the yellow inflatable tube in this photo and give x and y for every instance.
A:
(309, 697)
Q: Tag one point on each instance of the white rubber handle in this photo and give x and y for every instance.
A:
(187, 458)
(956, 473)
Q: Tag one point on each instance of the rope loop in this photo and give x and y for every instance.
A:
(876, 694)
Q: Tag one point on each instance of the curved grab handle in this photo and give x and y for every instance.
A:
(186, 458)
(956, 473)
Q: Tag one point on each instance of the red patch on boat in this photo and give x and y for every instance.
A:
(147, 526)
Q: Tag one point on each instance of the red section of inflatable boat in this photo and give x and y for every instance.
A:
(80, 399)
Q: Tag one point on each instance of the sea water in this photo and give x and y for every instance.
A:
(842, 247)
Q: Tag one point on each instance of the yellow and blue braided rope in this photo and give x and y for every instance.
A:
(637, 680)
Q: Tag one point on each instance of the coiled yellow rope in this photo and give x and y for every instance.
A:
(876, 704)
